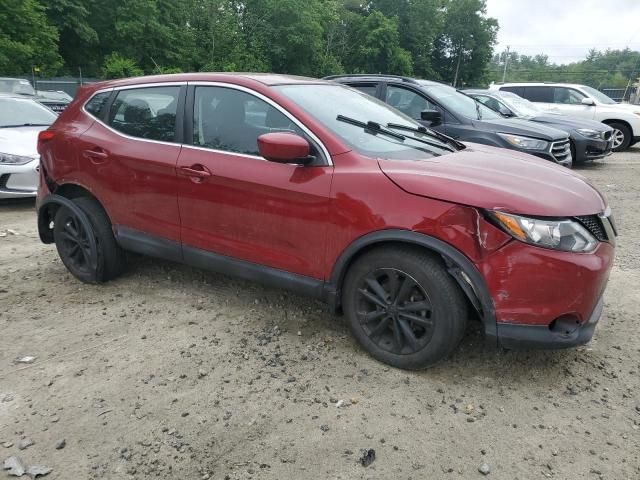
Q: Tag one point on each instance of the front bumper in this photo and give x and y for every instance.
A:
(546, 298)
(19, 181)
(591, 149)
(565, 335)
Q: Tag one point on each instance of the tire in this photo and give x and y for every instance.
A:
(421, 301)
(73, 245)
(624, 133)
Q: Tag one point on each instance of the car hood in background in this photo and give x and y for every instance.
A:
(571, 123)
(20, 140)
(518, 126)
(497, 179)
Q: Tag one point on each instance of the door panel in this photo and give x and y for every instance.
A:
(568, 101)
(248, 208)
(133, 161)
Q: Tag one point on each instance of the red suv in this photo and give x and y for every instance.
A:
(316, 187)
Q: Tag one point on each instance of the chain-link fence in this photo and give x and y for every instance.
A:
(65, 84)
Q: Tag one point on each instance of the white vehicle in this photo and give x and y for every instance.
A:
(21, 119)
(584, 102)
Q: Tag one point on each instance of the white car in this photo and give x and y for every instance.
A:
(21, 119)
(584, 102)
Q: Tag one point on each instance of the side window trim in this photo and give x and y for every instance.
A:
(104, 114)
(189, 111)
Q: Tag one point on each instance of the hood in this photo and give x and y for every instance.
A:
(497, 179)
(20, 140)
(571, 123)
(519, 126)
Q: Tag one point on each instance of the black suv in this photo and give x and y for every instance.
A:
(449, 111)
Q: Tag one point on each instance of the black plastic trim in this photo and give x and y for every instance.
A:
(145, 244)
(453, 258)
(523, 337)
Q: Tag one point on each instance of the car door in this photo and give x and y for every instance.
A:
(130, 155)
(235, 203)
(568, 101)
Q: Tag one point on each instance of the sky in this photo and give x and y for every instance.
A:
(565, 30)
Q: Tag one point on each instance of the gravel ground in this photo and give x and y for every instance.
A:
(171, 372)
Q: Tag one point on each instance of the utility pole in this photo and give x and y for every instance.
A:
(506, 62)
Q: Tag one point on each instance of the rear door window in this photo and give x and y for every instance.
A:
(148, 113)
(541, 94)
(517, 90)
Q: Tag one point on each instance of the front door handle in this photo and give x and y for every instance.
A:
(196, 172)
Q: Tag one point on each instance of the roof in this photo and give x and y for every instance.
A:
(529, 84)
(269, 79)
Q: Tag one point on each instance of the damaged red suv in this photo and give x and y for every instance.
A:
(315, 187)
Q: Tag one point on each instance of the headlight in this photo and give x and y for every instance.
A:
(566, 234)
(7, 158)
(525, 143)
(589, 133)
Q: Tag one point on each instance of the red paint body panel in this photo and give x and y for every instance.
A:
(301, 219)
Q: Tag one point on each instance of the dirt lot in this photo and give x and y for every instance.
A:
(171, 372)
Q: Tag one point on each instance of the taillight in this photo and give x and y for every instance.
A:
(43, 137)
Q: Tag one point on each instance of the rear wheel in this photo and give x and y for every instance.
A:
(621, 136)
(72, 237)
(403, 307)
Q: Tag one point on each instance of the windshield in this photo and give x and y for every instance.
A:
(19, 112)
(326, 103)
(599, 96)
(51, 95)
(15, 85)
(520, 106)
(460, 104)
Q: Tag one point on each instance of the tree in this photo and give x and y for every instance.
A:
(465, 46)
(27, 40)
(116, 66)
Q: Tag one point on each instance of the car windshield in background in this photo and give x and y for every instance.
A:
(52, 95)
(598, 95)
(520, 106)
(327, 102)
(460, 104)
(16, 112)
(16, 86)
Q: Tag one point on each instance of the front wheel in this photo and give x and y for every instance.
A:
(403, 307)
(621, 136)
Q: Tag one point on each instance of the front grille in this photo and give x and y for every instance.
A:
(561, 151)
(594, 225)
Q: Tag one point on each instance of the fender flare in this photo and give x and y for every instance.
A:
(44, 220)
(458, 265)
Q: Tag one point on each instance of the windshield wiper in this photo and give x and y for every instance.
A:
(370, 127)
(427, 131)
(25, 125)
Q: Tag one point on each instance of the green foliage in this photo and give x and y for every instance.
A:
(116, 66)
(304, 37)
(27, 39)
(611, 68)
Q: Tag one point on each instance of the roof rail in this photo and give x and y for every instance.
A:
(370, 75)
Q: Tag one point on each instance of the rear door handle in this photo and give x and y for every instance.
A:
(96, 155)
(196, 171)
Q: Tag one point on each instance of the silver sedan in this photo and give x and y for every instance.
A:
(21, 119)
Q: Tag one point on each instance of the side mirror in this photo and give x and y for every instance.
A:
(505, 112)
(588, 101)
(285, 147)
(433, 116)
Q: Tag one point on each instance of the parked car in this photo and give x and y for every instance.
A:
(21, 119)
(584, 102)
(590, 140)
(16, 86)
(457, 115)
(56, 100)
(333, 194)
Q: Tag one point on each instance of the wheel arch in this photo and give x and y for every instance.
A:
(457, 264)
(623, 122)
(61, 195)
